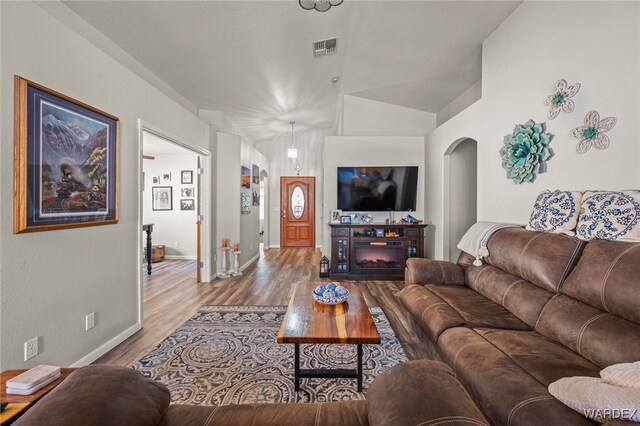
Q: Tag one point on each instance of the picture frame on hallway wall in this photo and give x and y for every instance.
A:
(186, 177)
(65, 161)
(245, 174)
(162, 198)
(189, 204)
(187, 192)
(255, 170)
(245, 203)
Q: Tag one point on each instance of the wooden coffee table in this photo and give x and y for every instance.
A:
(307, 321)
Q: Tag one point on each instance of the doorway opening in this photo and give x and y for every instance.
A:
(173, 204)
(460, 194)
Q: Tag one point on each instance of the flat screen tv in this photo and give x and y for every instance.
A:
(377, 188)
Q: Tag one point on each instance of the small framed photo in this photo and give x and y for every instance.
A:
(186, 192)
(156, 180)
(166, 177)
(162, 197)
(335, 216)
(187, 204)
(345, 219)
(186, 176)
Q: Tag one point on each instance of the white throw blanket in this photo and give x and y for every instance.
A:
(475, 240)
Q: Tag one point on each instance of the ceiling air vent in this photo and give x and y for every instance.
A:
(325, 47)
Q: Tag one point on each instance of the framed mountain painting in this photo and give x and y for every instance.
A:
(65, 161)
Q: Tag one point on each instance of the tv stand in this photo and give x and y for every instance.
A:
(374, 251)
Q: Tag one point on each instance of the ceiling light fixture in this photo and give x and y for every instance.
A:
(319, 5)
(292, 152)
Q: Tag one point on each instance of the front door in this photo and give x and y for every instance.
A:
(297, 211)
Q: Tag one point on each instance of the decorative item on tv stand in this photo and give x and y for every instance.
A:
(236, 263)
(224, 273)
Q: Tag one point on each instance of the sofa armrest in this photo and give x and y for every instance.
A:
(428, 271)
(420, 392)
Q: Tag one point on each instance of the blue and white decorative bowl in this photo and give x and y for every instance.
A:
(331, 299)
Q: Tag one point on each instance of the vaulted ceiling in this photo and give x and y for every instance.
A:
(254, 59)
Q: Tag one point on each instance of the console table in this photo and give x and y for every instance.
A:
(374, 250)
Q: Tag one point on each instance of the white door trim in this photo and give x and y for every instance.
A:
(206, 191)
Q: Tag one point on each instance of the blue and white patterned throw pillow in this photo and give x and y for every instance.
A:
(555, 212)
(608, 215)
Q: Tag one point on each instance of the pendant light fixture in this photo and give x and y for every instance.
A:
(292, 152)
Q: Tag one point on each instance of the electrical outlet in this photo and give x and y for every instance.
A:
(90, 321)
(177, 244)
(30, 348)
(251, 248)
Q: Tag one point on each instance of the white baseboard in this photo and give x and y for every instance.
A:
(179, 257)
(100, 351)
(249, 262)
(275, 246)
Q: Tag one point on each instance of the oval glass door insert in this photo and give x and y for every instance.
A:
(297, 202)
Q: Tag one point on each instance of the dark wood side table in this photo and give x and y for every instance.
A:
(18, 404)
(148, 228)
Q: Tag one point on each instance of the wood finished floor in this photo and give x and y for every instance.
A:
(171, 297)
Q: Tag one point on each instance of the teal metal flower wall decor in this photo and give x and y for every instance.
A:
(560, 99)
(525, 151)
(592, 133)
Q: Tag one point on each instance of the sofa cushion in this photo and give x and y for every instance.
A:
(607, 215)
(555, 211)
(432, 313)
(439, 307)
(504, 392)
(518, 296)
(540, 258)
(601, 337)
(542, 358)
(608, 277)
(420, 392)
(101, 395)
(475, 309)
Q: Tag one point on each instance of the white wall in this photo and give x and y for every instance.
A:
(369, 151)
(52, 280)
(594, 43)
(462, 102)
(227, 203)
(365, 117)
(250, 223)
(172, 226)
(310, 150)
(463, 185)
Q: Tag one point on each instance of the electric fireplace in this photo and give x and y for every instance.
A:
(375, 255)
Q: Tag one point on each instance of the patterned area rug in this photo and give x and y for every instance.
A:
(229, 355)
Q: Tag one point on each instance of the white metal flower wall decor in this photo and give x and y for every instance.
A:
(592, 133)
(560, 100)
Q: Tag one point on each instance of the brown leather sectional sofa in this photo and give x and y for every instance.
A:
(417, 392)
(542, 307)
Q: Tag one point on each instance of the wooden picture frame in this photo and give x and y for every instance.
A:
(345, 220)
(65, 161)
(162, 198)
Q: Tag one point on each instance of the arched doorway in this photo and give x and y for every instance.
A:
(460, 193)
